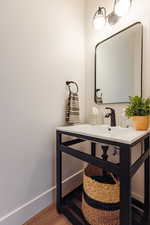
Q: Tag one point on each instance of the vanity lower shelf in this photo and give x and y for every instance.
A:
(71, 208)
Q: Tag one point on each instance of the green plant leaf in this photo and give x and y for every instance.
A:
(138, 106)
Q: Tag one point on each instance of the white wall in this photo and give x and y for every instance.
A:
(140, 11)
(41, 46)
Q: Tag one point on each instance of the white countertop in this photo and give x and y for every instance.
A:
(117, 134)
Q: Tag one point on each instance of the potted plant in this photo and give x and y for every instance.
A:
(139, 110)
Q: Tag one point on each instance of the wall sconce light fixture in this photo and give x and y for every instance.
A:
(99, 19)
(120, 8)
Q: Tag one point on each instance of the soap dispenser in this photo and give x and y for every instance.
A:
(96, 117)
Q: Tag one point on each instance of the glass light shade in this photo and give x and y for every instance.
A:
(99, 22)
(122, 7)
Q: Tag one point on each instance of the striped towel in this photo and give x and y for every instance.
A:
(72, 109)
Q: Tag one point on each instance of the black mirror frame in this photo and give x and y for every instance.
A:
(95, 90)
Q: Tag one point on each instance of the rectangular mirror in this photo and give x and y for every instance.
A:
(118, 66)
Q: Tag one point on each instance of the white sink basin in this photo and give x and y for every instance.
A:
(117, 134)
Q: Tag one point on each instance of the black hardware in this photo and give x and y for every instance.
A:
(72, 82)
(108, 166)
(124, 170)
(59, 171)
(73, 142)
(112, 116)
(100, 11)
(105, 156)
(125, 186)
(139, 162)
(147, 180)
(99, 99)
(93, 148)
(105, 150)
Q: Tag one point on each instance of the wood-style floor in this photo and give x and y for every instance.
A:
(48, 216)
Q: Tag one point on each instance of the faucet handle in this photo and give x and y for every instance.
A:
(111, 109)
(112, 116)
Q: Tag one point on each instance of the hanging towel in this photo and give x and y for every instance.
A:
(72, 109)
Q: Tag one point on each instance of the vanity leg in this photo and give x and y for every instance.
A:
(146, 183)
(125, 186)
(58, 172)
(93, 149)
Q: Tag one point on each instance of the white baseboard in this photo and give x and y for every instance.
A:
(138, 197)
(31, 208)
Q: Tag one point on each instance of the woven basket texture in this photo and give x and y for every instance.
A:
(101, 192)
(100, 217)
(107, 193)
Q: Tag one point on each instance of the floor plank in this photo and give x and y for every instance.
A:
(48, 216)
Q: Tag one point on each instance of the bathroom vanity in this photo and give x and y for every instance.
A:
(132, 211)
(118, 75)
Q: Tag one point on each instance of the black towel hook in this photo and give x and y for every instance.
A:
(72, 82)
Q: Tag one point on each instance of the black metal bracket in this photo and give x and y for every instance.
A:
(72, 82)
(124, 171)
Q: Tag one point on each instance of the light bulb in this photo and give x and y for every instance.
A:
(99, 22)
(122, 7)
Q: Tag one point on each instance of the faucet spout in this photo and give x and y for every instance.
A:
(112, 116)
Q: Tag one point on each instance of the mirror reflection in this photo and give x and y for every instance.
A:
(118, 66)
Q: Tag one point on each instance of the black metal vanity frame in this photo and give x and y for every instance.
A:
(124, 171)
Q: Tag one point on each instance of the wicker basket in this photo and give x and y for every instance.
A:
(100, 201)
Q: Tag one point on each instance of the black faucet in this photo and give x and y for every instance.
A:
(112, 116)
